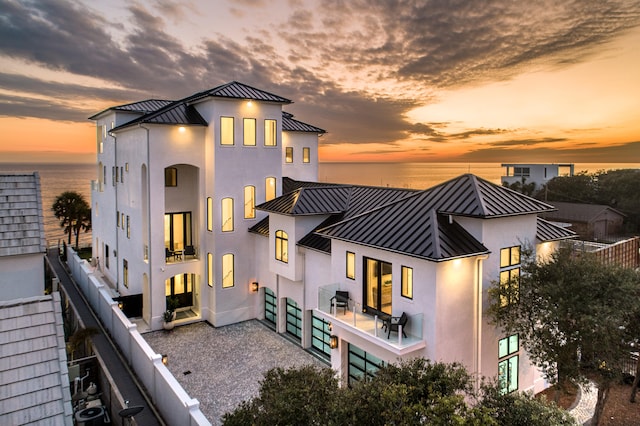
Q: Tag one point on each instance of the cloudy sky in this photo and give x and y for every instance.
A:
(457, 80)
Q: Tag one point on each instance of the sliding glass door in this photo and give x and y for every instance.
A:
(377, 286)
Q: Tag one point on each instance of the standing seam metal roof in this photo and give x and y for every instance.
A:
(548, 231)
(289, 124)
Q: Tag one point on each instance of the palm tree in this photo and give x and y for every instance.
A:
(73, 212)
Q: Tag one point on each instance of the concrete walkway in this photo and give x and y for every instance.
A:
(583, 411)
(222, 367)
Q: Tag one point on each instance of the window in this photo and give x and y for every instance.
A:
(121, 174)
(351, 265)
(227, 270)
(117, 219)
(521, 171)
(226, 130)
(362, 365)
(306, 155)
(509, 274)
(100, 138)
(122, 221)
(249, 202)
(294, 319)
(508, 363)
(209, 214)
(114, 175)
(270, 128)
(320, 335)
(177, 230)
(128, 227)
(104, 174)
(170, 176)
(288, 157)
(270, 306)
(125, 273)
(250, 131)
(270, 188)
(407, 282)
(210, 269)
(227, 214)
(106, 255)
(282, 246)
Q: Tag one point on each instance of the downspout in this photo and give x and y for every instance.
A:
(477, 326)
(149, 226)
(114, 179)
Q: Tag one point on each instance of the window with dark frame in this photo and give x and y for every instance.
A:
(170, 177)
(282, 246)
(407, 282)
(351, 265)
(508, 363)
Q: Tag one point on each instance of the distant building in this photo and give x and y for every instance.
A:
(589, 221)
(22, 240)
(212, 203)
(539, 174)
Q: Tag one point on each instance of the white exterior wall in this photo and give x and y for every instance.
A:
(21, 276)
(540, 174)
(298, 169)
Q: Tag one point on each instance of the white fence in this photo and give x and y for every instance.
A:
(175, 405)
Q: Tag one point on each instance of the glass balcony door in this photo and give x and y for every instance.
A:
(377, 286)
(177, 230)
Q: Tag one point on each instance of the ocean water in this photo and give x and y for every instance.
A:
(57, 178)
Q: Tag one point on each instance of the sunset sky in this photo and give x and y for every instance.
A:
(491, 81)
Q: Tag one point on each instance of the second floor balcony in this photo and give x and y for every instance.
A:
(371, 327)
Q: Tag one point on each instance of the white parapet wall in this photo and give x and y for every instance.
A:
(169, 397)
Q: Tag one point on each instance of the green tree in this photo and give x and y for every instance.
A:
(572, 316)
(73, 212)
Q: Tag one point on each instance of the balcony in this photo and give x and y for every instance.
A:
(369, 327)
(181, 255)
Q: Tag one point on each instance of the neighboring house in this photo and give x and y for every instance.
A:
(227, 173)
(539, 174)
(34, 381)
(590, 221)
(22, 241)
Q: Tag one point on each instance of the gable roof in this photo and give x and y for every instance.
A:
(548, 231)
(21, 216)
(34, 385)
(289, 124)
(579, 212)
(237, 90)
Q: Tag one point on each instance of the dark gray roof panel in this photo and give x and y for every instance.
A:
(238, 90)
(141, 107)
(178, 114)
(261, 228)
(289, 124)
(548, 231)
(310, 201)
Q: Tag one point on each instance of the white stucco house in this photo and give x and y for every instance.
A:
(212, 202)
(539, 174)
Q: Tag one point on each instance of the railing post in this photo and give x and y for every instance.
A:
(333, 305)
(399, 334)
(375, 326)
(354, 314)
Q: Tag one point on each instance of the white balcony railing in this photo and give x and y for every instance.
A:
(371, 326)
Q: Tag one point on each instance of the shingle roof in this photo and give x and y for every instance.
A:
(34, 382)
(548, 231)
(21, 216)
(292, 125)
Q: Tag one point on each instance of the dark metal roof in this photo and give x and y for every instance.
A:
(238, 90)
(548, 231)
(289, 124)
(177, 114)
(141, 107)
(469, 195)
(261, 228)
(310, 201)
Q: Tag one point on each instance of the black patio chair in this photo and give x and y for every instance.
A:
(394, 323)
(189, 251)
(168, 253)
(341, 300)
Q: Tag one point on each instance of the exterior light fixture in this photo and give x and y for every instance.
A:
(254, 287)
(249, 103)
(333, 341)
(120, 305)
(165, 359)
(330, 326)
(181, 129)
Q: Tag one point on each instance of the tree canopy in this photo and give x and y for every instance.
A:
(409, 393)
(572, 315)
(74, 214)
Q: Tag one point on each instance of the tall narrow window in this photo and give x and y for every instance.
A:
(351, 265)
(210, 269)
(250, 131)
(227, 214)
(407, 282)
(288, 157)
(125, 273)
(106, 255)
(227, 270)
(209, 214)
(270, 188)
(270, 128)
(170, 176)
(282, 246)
(128, 227)
(306, 155)
(508, 363)
(509, 274)
(249, 202)
(226, 130)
